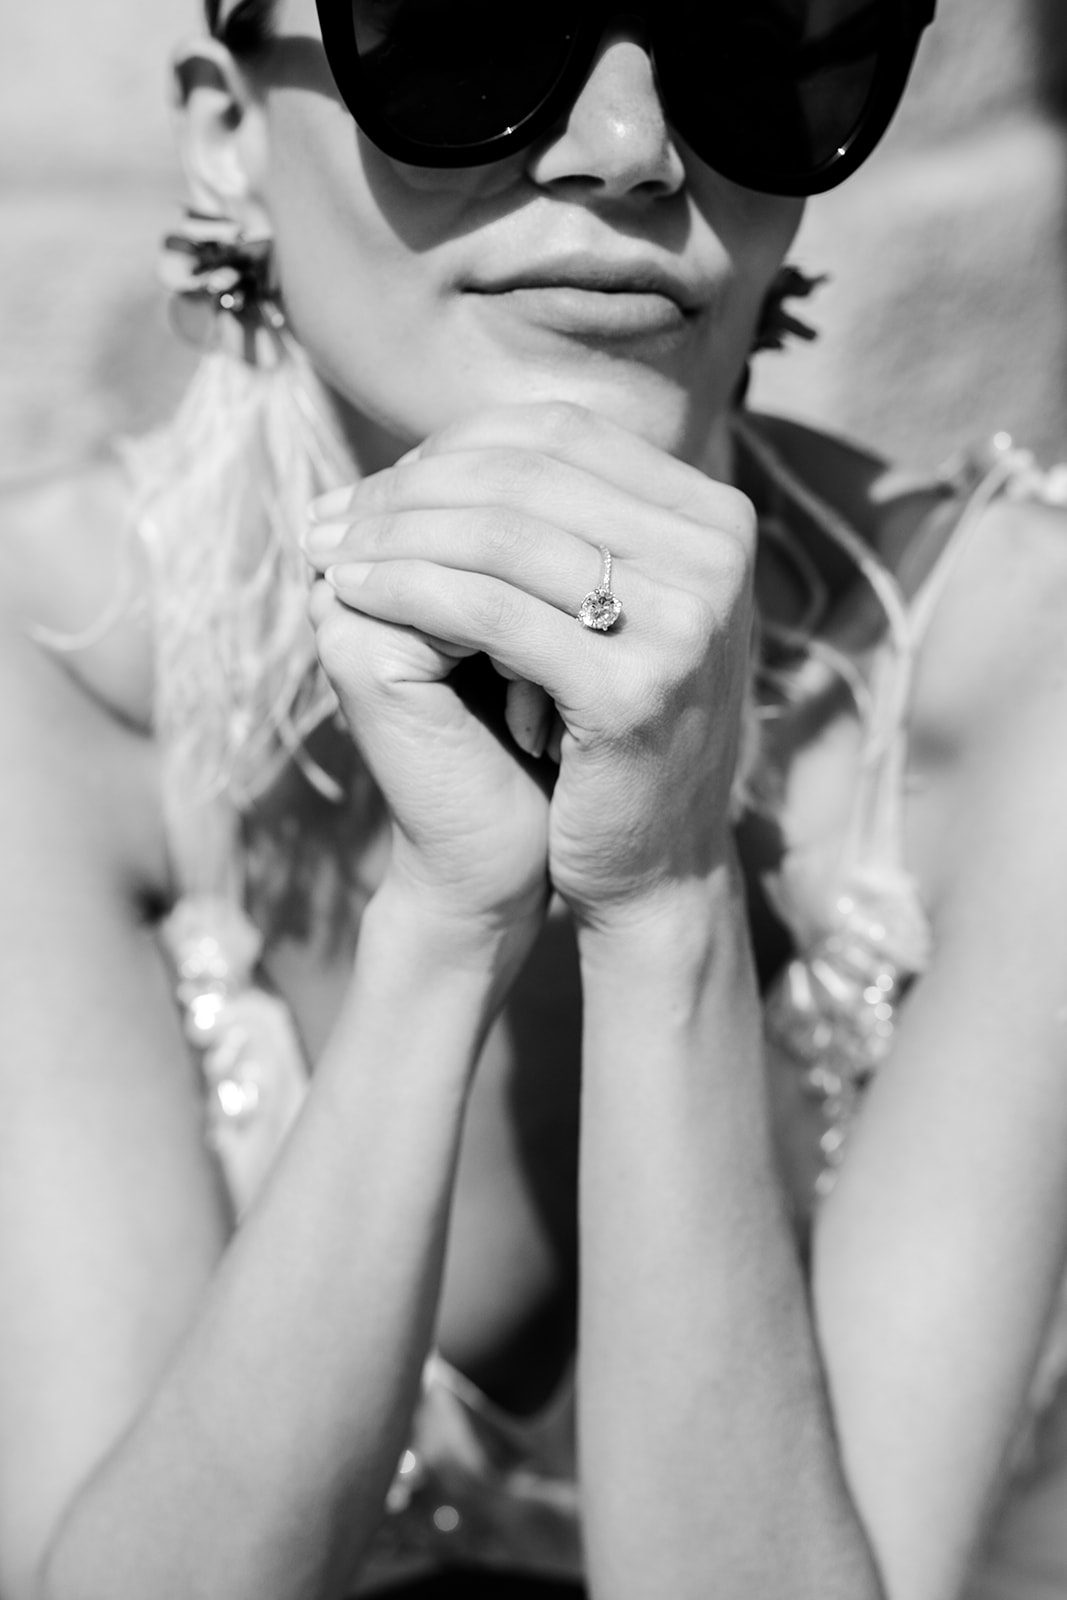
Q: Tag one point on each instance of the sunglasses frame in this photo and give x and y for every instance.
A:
(902, 21)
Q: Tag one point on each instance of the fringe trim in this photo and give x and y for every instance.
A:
(221, 500)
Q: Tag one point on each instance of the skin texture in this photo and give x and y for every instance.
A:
(388, 303)
(207, 1435)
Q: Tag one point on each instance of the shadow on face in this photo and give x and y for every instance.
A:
(604, 264)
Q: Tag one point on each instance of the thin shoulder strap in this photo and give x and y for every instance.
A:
(979, 479)
(875, 833)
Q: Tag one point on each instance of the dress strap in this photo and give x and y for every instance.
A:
(860, 930)
(875, 834)
(977, 479)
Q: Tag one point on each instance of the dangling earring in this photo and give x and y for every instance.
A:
(222, 287)
(222, 497)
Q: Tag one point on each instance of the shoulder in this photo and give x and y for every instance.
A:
(73, 577)
(75, 676)
(987, 754)
(994, 660)
(1000, 619)
(989, 696)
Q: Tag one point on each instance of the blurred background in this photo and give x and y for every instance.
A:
(944, 320)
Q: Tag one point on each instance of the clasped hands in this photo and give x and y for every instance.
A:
(484, 540)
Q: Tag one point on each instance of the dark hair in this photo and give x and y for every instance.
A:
(247, 28)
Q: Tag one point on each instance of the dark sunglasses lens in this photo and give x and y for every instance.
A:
(783, 84)
(458, 72)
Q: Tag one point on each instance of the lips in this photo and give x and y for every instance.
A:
(601, 300)
(599, 276)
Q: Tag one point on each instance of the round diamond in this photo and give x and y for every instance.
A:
(599, 610)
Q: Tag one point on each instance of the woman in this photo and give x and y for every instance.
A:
(506, 326)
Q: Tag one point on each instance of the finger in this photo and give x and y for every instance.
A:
(322, 598)
(569, 435)
(520, 501)
(425, 657)
(535, 641)
(529, 714)
(519, 482)
(576, 436)
(550, 563)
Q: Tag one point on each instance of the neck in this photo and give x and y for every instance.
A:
(373, 446)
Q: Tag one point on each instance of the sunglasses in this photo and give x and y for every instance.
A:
(784, 96)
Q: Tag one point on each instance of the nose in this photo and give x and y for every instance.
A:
(614, 142)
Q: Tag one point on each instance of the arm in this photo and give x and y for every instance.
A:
(177, 1416)
(939, 1253)
(708, 1454)
(520, 501)
(706, 1441)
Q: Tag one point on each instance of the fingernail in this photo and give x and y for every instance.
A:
(539, 737)
(322, 536)
(347, 574)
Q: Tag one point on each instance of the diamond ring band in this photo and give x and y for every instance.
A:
(600, 610)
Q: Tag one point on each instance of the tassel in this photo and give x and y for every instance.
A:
(222, 496)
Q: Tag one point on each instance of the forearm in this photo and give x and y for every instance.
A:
(707, 1449)
(259, 1466)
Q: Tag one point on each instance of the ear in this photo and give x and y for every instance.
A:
(222, 137)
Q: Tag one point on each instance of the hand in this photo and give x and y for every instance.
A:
(469, 814)
(488, 537)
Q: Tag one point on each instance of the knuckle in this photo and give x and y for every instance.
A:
(739, 565)
(510, 473)
(356, 654)
(378, 532)
(505, 535)
(740, 515)
(376, 491)
(695, 619)
(564, 422)
(495, 610)
(729, 565)
(642, 695)
(335, 643)
(730, 517)
(394, 581)
(393, 488)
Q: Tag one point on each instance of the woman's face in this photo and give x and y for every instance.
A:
(605, 265)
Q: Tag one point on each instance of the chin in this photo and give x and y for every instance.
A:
(679, 417)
